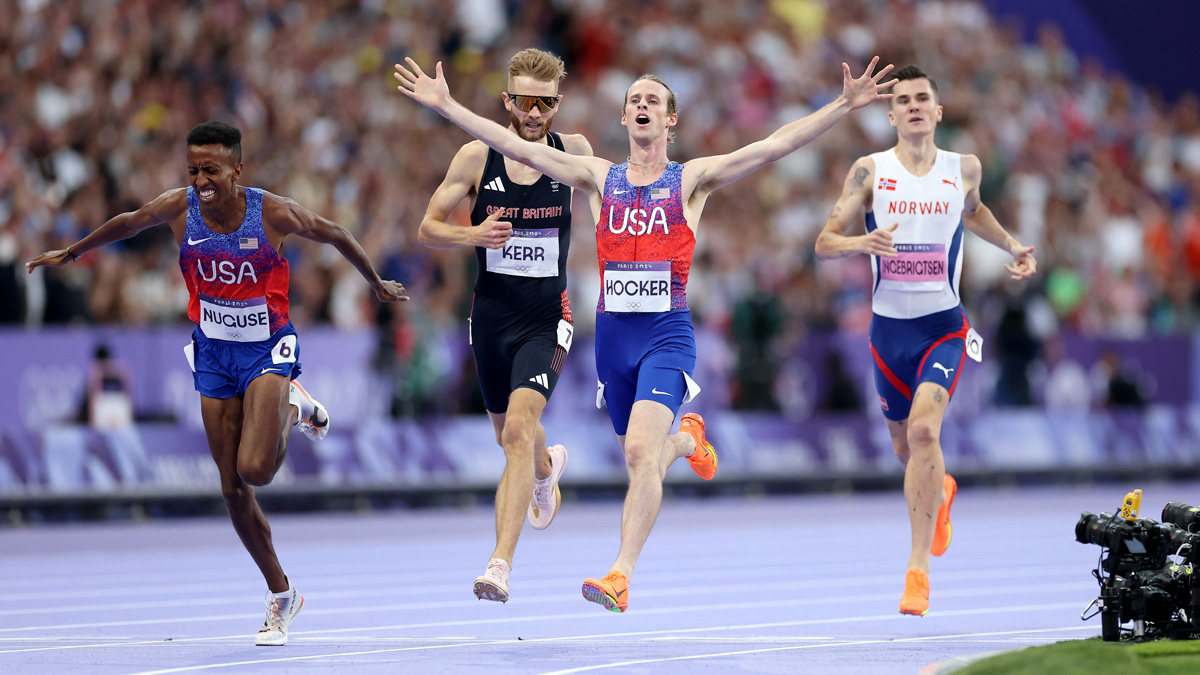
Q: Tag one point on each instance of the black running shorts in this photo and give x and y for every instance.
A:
(515, 349)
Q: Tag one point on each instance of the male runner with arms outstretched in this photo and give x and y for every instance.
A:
(244, 352)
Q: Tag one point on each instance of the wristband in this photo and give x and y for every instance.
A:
(73, 256)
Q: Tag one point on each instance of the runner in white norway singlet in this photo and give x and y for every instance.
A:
(923, 278)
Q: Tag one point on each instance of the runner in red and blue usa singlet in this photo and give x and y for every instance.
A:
(644, 244)
(237, 283)
(237, 286)
(645, 345)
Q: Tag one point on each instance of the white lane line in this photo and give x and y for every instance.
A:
(384, 590)
(793, 602)
(372, 580)
(244, 639)
(690, 657)
(310, 657)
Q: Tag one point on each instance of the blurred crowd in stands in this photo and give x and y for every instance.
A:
(1101, 174)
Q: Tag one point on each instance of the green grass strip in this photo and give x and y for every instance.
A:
(1089, 657)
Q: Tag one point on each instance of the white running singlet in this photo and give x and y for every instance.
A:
(923, 278)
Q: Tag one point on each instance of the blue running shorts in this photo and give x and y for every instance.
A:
(644, 357)
(223, 369)
(907, 352)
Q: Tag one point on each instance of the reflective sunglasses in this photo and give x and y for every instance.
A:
(526, 102)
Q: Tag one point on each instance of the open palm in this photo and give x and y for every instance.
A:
(432, 92)
(858, 92)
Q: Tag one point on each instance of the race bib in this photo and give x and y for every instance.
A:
(235, 320)
(974, 345)
(916, 264)
(529, 253)
(637, 286)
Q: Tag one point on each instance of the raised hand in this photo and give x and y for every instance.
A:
(432, 92)
(1024, 264)
(493, 232)
(879, 242)
(391, 291)
(49, 259)
(866, 89)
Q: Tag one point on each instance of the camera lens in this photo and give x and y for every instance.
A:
(1183, 515)
(1088, 530)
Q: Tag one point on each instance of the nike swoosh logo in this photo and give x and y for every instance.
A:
(269, 370)
(619, 192)
(192, 242)
(664, 393)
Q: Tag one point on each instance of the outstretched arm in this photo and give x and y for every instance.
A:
(287, 217)
(164, 208)
(586, 173)
(833, 243)
(979, 219)
(714, 172)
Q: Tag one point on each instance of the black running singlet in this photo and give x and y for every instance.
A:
(532, 266)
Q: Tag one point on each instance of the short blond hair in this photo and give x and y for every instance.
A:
(536, 64)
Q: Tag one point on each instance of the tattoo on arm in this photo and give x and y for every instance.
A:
(860, 176)
(937, 395)
(834, 213)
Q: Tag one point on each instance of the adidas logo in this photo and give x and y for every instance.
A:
(495, 184)
(542, 380)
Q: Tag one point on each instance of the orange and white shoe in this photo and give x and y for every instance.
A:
(611, 592)
(282, 609)
(313, 418)
(704, 457)
(941, 535)
(915, 600)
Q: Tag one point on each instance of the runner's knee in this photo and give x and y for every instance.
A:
(517, 438)
(234, 492)
(639, 456)
(257, 471)
(923, 434)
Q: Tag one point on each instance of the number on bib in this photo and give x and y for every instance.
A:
(285, 350)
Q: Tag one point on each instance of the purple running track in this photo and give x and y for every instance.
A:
(768, 585)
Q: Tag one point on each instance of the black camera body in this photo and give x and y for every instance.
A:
(1150, 572)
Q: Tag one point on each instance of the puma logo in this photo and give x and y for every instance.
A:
(953, 183)
(944, 369)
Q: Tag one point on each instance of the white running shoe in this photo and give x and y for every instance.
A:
(543, 505)
(493, 585)
(282, 609)
(313, 419)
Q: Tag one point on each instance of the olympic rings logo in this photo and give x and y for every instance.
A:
(234, 336)
(634, 305)
(523, 268)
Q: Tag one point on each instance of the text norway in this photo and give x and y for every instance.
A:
(649, 287)
(259, 318)
(922, 208)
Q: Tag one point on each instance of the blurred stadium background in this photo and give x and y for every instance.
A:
(1080, 111)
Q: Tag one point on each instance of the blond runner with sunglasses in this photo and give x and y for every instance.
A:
(649, 212)
(520, 327)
